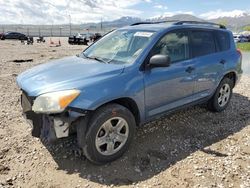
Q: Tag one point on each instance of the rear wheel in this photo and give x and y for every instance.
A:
(222, 96)
(110, 132)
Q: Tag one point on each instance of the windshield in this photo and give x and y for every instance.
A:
(119, 47)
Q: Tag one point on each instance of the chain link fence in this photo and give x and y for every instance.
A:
(53, 30)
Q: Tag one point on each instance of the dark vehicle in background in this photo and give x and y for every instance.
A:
(96, 37)
(92, 37)
(80, 39)
(40, 40)
(89, 36)
(14, 35)
(84, 38)
(248, 38)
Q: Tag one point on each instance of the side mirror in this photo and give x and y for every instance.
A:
(159, 61)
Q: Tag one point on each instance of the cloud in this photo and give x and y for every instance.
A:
(161, 7)
(82, 11)
(219, 14)
(58, 11)
(170, 14)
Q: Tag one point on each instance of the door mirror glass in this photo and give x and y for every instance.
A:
(159, 61)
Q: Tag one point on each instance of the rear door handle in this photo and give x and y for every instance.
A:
(190, 69)
(223, 61)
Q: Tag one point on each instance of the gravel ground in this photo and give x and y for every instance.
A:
(191, 148)
(246, 62)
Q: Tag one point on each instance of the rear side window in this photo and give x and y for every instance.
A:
(202, 43)
(223, 40)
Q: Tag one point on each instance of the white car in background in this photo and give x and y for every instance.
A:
(240, 38)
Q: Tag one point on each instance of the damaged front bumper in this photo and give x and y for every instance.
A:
(52, 126)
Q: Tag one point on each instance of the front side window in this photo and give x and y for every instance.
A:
(202, 43)
(120, 47)
(175, 45)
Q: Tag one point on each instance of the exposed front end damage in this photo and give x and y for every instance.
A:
(59, 126)
(50, 127)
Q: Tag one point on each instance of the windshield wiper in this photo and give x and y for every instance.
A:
(84, 55)
(98, 59)
(95, 58)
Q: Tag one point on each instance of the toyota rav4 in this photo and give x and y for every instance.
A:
(127, 78)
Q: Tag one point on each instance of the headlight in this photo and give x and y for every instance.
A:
(54, 102)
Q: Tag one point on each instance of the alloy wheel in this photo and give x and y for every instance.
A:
(224, 95)
(112, 136)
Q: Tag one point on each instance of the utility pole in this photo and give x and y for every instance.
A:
(69, 24)
(51, 31)
(39, 31)
(60, 31)
(101, 24)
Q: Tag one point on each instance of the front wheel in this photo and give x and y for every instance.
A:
(222, 96)
(111, 130)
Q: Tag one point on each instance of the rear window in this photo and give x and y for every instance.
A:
(223, 40)
(202, 43)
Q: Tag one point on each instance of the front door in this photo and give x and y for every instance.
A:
(169, 87)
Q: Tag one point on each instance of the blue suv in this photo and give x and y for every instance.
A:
(129, 77)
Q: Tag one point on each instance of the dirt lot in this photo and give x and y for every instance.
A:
(191, 148)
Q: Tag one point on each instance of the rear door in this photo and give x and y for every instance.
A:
(208, 62)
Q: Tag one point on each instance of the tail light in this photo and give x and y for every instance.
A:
(238, 50)
(240, 53)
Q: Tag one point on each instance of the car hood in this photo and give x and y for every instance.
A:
(67, 73)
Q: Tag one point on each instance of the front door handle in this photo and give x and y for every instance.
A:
(190, 69)
(223, 61)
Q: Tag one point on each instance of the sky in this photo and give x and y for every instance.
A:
(83, 11)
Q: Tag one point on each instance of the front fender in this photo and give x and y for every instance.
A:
(126, 85)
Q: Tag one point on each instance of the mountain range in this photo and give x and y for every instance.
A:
(234, 23)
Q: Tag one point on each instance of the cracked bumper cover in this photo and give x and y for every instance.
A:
(51, 126)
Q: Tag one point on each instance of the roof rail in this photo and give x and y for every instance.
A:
(139, 23)
(201, 23)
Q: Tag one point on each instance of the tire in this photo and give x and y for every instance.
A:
(110, 132)
(222, 96)
(22, 38)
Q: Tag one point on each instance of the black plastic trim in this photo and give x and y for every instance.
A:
(79, 110)
(166, 21)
